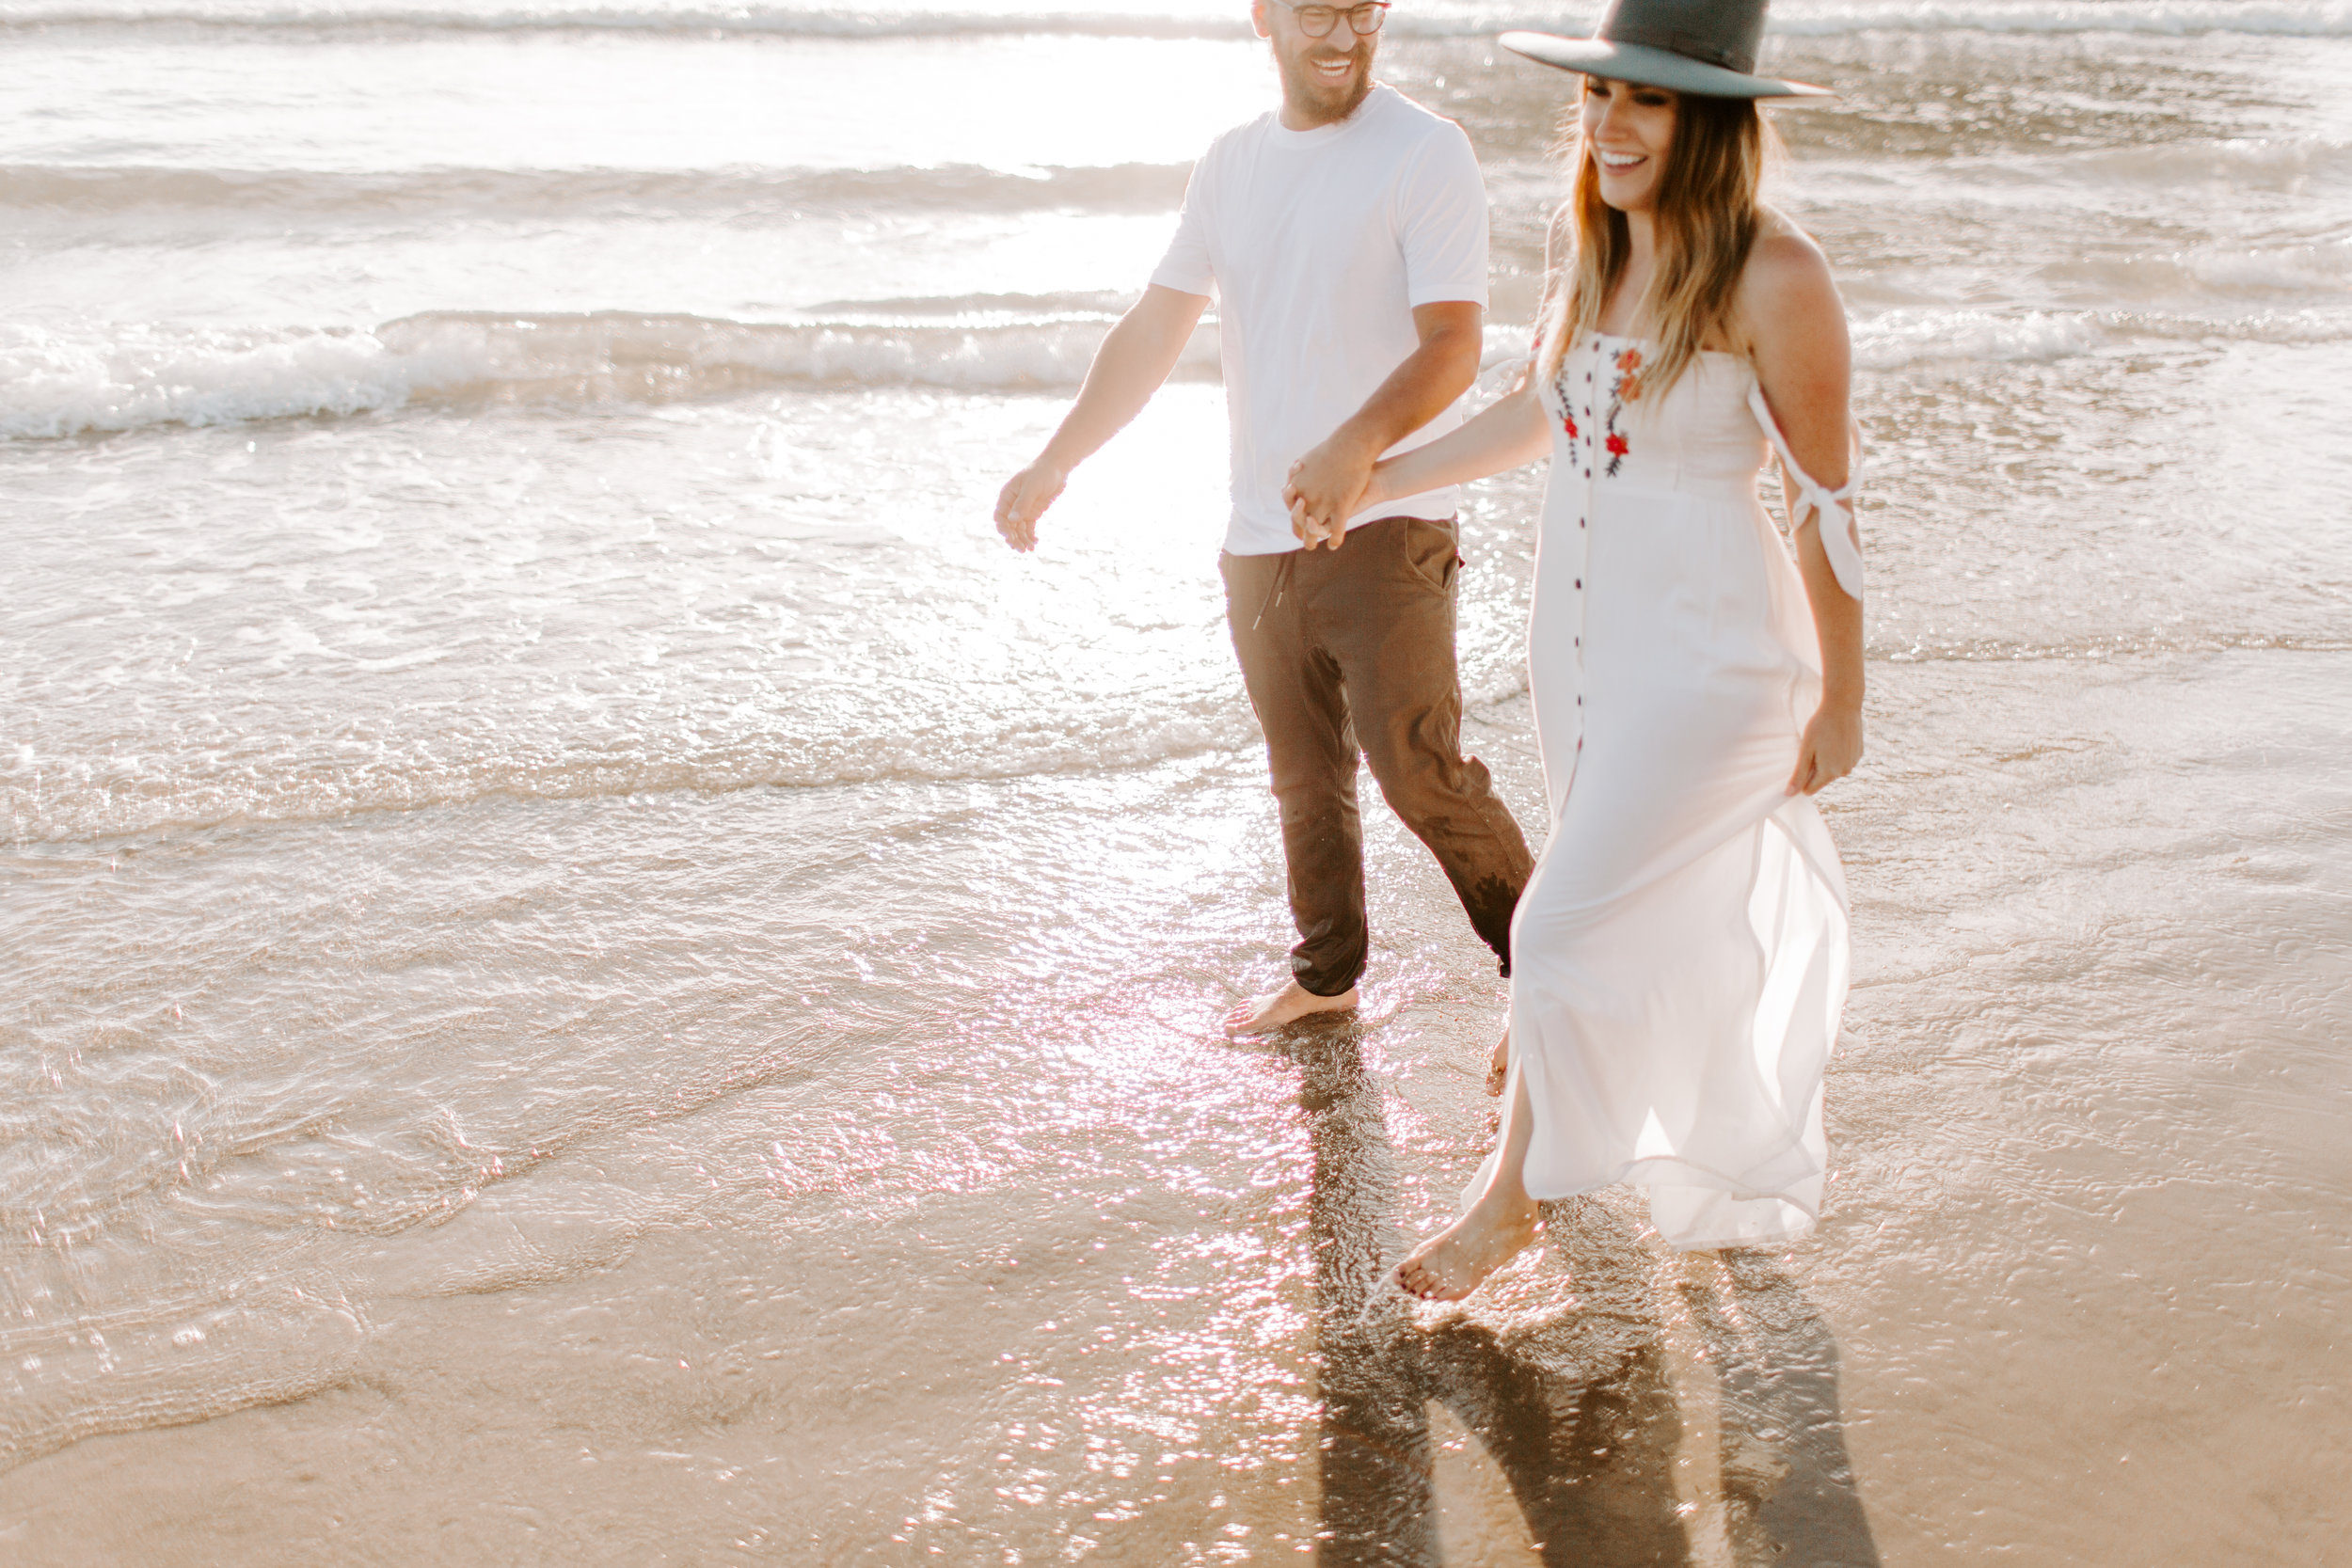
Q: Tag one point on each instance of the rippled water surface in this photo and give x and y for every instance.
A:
(597, 973)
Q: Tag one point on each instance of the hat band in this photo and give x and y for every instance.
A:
(1621, 29)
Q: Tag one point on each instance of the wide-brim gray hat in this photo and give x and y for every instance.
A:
(1706, 47)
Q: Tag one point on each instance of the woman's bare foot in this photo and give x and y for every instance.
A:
(1264, 1014)
(1499, 1065)
(1457, 1259)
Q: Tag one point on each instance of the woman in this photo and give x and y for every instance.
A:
(1680, 955)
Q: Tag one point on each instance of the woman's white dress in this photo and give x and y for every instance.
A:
(1679, 957)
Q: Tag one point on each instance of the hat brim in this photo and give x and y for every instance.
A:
(1654, 67)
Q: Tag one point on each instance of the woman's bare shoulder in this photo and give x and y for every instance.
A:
(1787, 282)
(1785, 268)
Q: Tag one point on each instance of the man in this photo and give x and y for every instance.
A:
(1345, 236)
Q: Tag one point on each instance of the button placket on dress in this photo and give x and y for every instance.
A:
(1584, 537)
(1580, 457)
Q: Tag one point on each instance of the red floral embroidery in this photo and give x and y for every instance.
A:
(1568, 422)
(1626, 388)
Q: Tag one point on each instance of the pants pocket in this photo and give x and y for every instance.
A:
(1431, 552)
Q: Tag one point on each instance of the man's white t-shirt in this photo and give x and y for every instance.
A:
(1317, 246)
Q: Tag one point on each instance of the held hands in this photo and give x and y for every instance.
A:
(1831, 746)
(1024, 501)
(1326, 487)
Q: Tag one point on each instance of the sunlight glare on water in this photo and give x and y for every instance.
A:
(599, 972)
(555, 103)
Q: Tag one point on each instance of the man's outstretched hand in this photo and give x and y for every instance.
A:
(1326, 487)
(1024, 501)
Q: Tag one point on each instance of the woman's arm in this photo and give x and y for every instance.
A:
(1417, 392)
(1796, 328)
(1511, 431)
(1832, 744)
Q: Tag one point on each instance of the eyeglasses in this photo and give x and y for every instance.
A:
(1316, 22)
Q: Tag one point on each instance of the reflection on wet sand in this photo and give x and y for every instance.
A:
(1673, 1410)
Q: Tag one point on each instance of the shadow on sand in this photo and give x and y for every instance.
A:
(1666, 1411)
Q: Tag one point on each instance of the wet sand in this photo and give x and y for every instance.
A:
(1093, 1281)
(595, 974)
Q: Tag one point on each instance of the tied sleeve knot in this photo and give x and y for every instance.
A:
(1840, 539)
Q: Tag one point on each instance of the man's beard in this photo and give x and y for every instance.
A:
(1309, 96)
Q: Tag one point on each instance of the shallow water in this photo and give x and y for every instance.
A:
(599, 974)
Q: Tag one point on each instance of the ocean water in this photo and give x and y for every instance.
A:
(594, 973)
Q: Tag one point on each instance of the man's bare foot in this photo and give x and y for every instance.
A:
(1265, 1014)
(1457, 1259)
(1499, 1065)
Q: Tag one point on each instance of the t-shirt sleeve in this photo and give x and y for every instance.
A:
(1187, 267)
(1443, 220)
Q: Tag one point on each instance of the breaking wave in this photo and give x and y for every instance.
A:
(1901, 338)
(54, 386)
(2179, 18)
(2176, 18)
(1897, 339)
(265, 195)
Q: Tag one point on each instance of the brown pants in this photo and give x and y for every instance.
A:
(1357, 643)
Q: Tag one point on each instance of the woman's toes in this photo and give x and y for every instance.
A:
(1425, 1279)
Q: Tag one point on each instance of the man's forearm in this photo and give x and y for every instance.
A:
(1325, 485)
(1417, 392)
(1138, 356)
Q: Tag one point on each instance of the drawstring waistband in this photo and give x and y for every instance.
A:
(1274, 593)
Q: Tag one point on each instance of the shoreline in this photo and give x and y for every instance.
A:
(547, 1315)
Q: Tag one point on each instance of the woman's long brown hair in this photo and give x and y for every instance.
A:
(1705, 220)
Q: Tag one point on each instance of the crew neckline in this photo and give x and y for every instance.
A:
(1321, 134)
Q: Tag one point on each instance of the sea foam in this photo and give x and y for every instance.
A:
(265, 197)
(1825, 18)
(54, 386)
(2175, 18)
(1900, 338)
